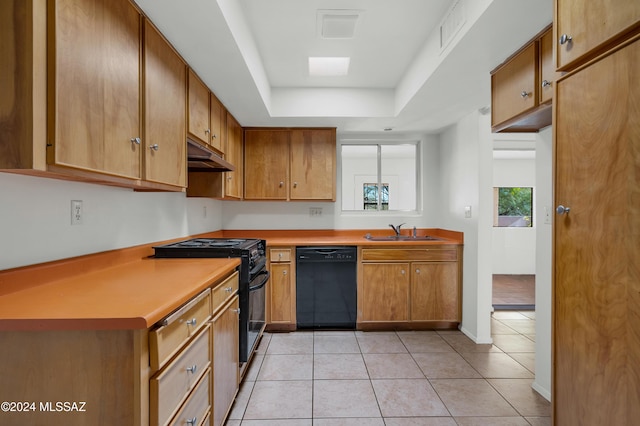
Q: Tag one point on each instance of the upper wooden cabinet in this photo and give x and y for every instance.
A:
(206, 114)
(585, 29)
(290, 164)
(94, 84)
(78, 88)
(165, 97)
(521, 88)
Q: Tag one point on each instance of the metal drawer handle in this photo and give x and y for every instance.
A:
(402, 272)
(192, 369)
(565, 38)
(154, 147)
(136, 141)
(228, 289)
(417, 271)
(192, 421)
(546, 83)
(237, 311)
(524, 94)
(192, 321)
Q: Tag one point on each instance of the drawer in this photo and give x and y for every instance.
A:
(170, 387)
(280, 255)
(166, 340)
(435, 254)
(196, 409)
(224, 291)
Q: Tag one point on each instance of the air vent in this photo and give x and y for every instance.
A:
(453, 20)
(338, 23)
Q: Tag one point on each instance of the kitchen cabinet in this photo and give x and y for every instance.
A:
(223, 185)
(596, 303)
(281, 302)
(420, 287)
(521, 87)
(290, 164)
(206, 114)
(225, 333)
(585, 29)
(76, 68)
(165, 98)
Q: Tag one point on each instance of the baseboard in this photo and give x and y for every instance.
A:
(475, 338)
(544, 392)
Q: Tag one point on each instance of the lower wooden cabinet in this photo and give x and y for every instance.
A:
(281, 299)
(409, 287)
(225, 331)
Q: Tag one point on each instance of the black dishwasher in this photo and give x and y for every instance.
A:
(326, 287)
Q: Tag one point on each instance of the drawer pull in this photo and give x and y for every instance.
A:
(237, 311)
(192, 421)
(417, 271)
(228, 289)
(192, 322)
(192, 369)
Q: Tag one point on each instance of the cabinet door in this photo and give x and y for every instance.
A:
(281, 295)
(96, 84)
(266, 173)
(165, 118)
(217, 119)
(596, 270)
(198, 118)
(313, 164)
(591, 25)
(513, 86)
(225, 360)
(234, 154)
(385, 288)
(434, 292)
(547, 67)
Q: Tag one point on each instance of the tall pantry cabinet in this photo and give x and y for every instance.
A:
(596, 288)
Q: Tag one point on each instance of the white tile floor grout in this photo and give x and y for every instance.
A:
(431, 378)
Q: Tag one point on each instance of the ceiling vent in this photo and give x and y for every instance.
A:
(454, 20)
(339, 23)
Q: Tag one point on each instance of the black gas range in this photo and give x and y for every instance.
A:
(253, 277)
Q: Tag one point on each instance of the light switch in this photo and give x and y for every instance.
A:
(467, 212)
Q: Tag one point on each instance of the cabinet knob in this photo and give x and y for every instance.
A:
(417, 271)
(562, 209)
(192, 369)
(284, 272)
(295, 184)
(229, 177)
(154, 147)
(546, 83)
(207, 131)
(192, 421)
(402, 272)
(565, 38)
(281, 184)
(524, 94)
(237, 311)
(136, 141)
(228, 289)
(214, 136)
(192, 321)
(279, 255)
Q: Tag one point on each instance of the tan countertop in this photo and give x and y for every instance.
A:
(134, 295)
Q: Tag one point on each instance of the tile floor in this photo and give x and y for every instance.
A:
(430, 378)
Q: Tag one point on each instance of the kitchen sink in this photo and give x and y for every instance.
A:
(402, 238)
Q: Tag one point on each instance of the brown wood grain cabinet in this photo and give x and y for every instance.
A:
(521, 87)
(281, 296)
(76, 72)
(206, 115)
(290, 164)
(596, 285)
(409, 287)
(584, 29)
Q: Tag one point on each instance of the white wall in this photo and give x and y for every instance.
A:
(544, 238)
(466, 180)
(295, 215)
(35, 218)
(514, 249)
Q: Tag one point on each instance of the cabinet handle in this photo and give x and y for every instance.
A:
(229, 177)
(295, 184)
(192, 421)
(192, 321)
(562, 209)
(281, 184)
(402, 272)
(228, 289)
(546, 83)
(279, 255)
(207, 131)
(417, 271)
(137, 141)
(154, 147)
(284, 272)
(192, 369)
(565, 38)
(237, 311)
(214, 136)
(524, 94)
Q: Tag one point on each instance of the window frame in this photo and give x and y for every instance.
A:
(496, 208)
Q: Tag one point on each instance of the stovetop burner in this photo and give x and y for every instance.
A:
(212, 247)
(210, 242)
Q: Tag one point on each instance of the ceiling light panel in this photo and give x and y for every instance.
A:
(339, 23)
(328, 66)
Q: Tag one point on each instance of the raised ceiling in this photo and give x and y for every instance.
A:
(254, 53)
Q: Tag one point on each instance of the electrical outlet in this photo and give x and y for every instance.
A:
(467, 212)
(315, 211)
(76, 212)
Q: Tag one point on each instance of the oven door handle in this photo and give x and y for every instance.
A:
(262, 284)
(261, 264)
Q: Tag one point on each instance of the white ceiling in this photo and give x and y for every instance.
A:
(253, 55)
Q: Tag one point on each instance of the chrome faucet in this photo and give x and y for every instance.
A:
(396, 228)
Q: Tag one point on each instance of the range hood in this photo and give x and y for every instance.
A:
(202, 159)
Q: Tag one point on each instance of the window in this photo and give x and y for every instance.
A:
(513, 207)
(379, 177)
